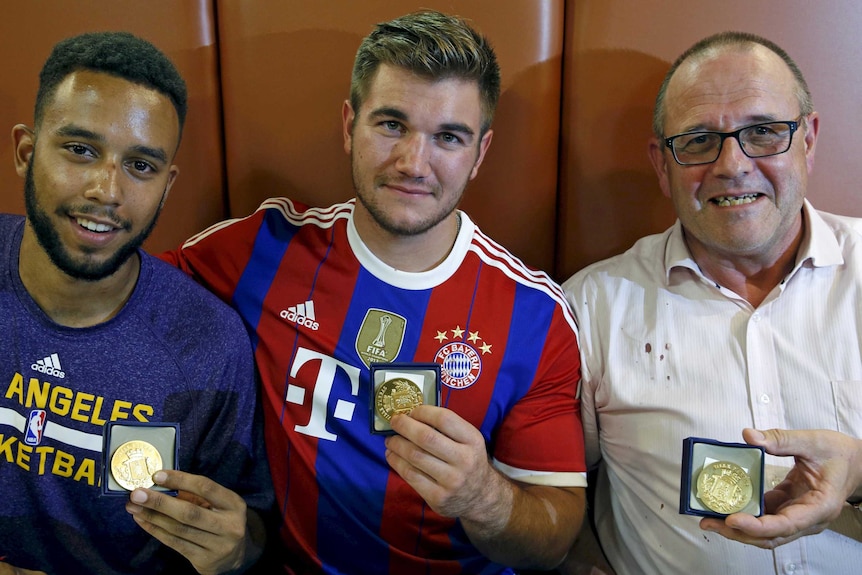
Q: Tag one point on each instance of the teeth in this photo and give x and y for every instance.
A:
(735, 200)
(93, 226)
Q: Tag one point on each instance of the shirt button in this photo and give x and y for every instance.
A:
(764, 398)
(790, 567)
(756, 317)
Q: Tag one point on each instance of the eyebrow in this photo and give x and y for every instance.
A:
(399, 115)
(752, 121)
(73, 131)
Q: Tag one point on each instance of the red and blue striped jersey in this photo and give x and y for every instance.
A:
(314, 299)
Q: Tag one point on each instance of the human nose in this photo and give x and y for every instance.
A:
(106, 186)
(413, 156)
(732, 161)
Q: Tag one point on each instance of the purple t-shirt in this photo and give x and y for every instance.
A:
(174, 353)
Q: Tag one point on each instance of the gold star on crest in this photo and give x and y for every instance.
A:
(441, 336)
(486, 348)
(474, 336)
(457, 332)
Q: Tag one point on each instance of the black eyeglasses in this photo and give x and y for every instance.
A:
(756, 141)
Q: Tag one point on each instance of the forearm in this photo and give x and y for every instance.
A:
(856, 468)
(523, 525)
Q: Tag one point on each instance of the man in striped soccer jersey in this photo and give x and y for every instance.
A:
(491, 479)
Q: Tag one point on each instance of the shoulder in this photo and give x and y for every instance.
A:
(9, 222)
(644, 262)
(176, 305)
(276, 215)
(300, 214)
(845, 225)
(510, 266)
(11, 225)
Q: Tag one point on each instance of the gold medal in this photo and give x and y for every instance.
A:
(724, 487)
(398, 395)
(134, 463)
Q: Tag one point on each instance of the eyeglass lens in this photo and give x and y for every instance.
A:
(756, 141)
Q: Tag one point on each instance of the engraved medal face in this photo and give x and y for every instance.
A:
(724, 487)
(134, 463)
(398, 395)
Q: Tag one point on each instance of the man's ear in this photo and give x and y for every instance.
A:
(23, 143)
(484, 144)
(348, 116)
(659, 163)
(812, 128)
(173, 172)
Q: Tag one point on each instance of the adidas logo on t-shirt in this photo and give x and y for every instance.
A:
(49, 365)
(302, 314)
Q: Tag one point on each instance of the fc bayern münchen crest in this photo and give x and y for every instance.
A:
(461, 362)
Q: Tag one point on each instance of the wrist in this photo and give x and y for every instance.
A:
(491, 512)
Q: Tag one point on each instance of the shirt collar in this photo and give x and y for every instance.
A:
(819, 245)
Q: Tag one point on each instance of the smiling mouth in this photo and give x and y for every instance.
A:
(93, 226)
(725, 201)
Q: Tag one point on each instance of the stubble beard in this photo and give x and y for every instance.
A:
(48, 237)
(387, 223)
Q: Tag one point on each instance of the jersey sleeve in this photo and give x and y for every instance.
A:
(541, 439)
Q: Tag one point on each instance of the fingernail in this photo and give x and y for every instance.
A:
(160, 477)
(757, 435)
(138, 496)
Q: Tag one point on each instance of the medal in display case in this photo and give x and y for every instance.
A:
(398, 388)
(133, 451)
(721, 478)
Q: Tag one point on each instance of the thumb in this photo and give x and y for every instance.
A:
(777, 441)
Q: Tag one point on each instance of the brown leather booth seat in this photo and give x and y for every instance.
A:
(185, 31)
(286, 68)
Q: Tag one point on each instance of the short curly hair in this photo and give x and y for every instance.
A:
(119, 54)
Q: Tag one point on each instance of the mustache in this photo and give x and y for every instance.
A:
(102, 213)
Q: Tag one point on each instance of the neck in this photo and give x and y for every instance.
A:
(69, 301)
(408, 253)
(752, 278)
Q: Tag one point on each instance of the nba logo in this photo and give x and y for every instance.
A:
(35, 426)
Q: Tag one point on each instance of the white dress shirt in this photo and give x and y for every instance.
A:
(668, 354)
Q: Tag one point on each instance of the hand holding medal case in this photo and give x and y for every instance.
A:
(398, 388)
(133, 451)
(721, 478)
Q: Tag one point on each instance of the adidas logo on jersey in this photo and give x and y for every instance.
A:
(302, 314)
(49, 366)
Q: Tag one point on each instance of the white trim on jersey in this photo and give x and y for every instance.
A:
(496, 256)
(555, 478)
(489, 250)
(322, 217)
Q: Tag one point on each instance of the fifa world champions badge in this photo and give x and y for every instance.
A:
(397, 388)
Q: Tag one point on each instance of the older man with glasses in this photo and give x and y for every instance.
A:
(744, 314)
